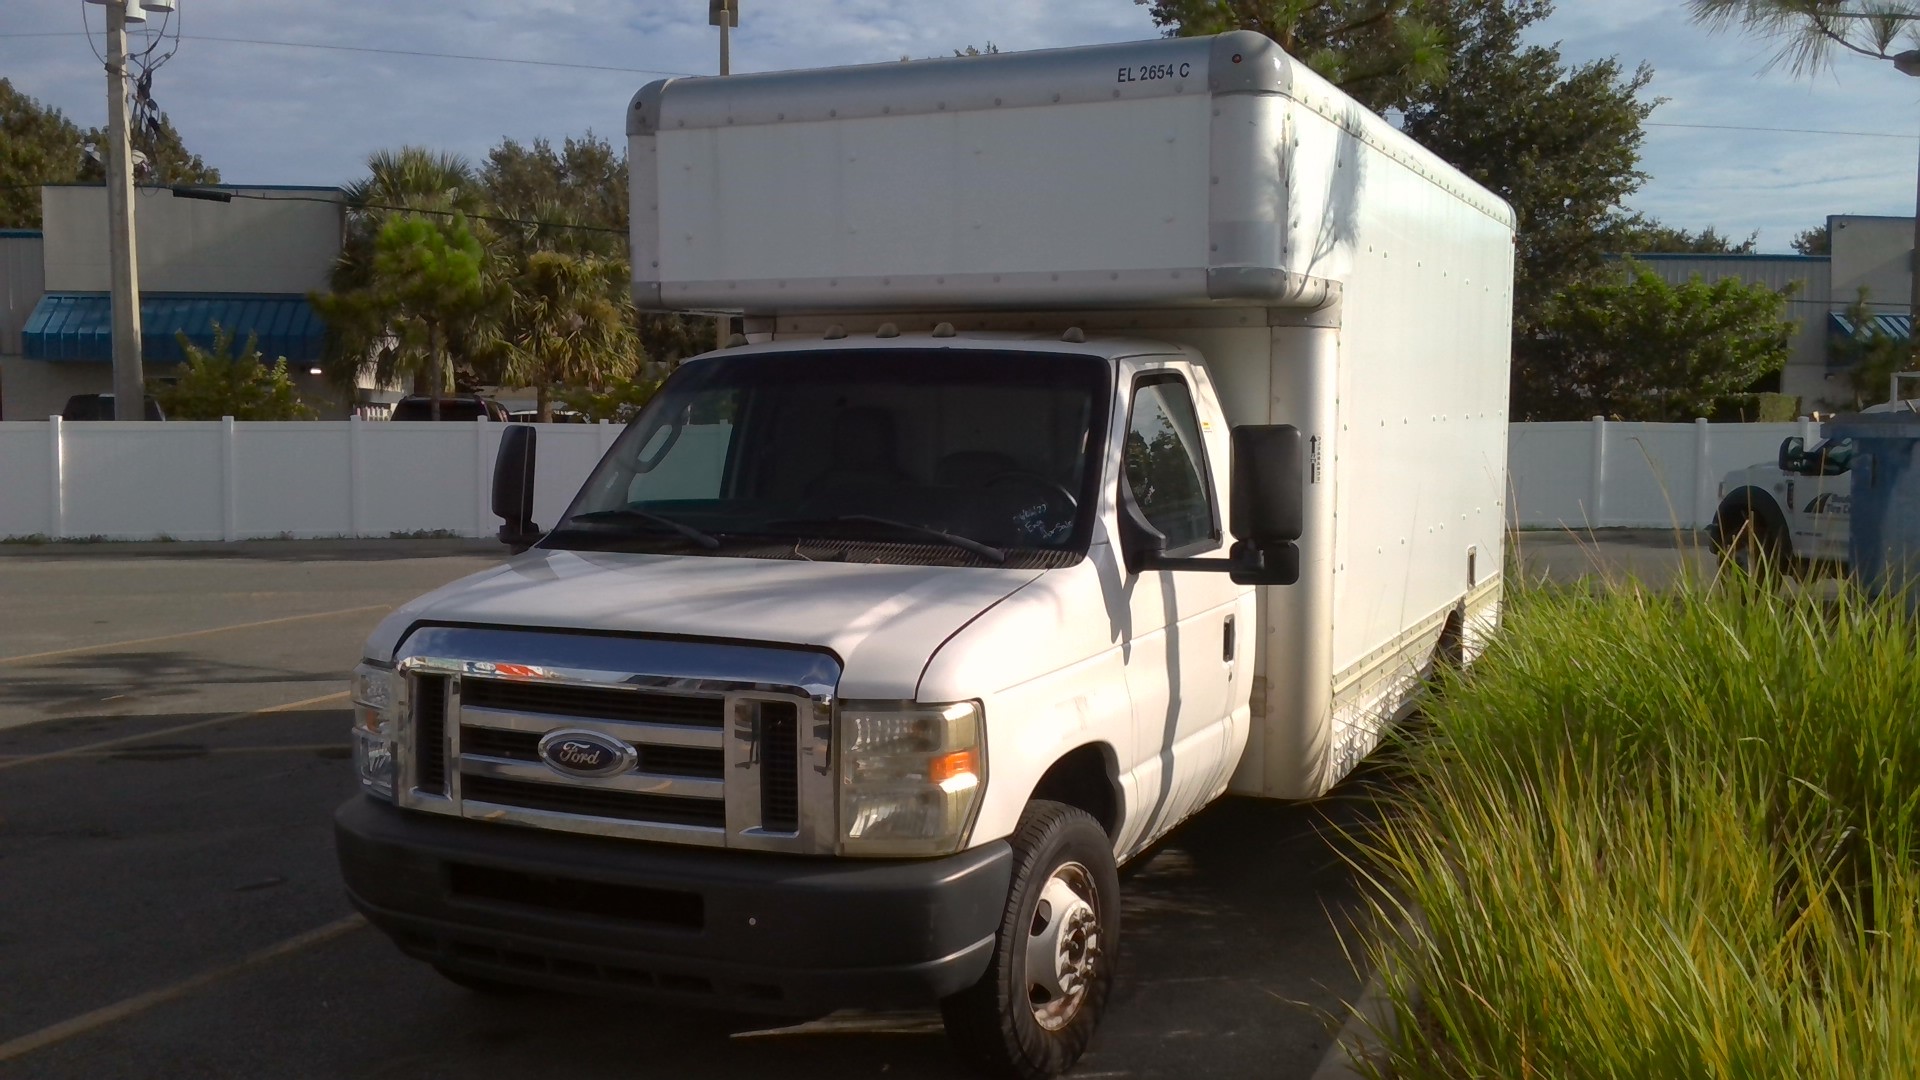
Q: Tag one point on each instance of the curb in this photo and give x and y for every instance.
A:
(1363, 1036)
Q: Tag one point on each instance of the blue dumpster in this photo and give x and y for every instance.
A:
(1884, 536)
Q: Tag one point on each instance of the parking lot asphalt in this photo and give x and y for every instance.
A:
(172, 745)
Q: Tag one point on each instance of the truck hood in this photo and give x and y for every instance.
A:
(883, 622)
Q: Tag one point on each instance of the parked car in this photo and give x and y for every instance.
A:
(468, 408)
(100, 407)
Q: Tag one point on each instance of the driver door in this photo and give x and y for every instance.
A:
(1187, 634)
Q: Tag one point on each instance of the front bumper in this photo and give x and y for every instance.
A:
(732, 930)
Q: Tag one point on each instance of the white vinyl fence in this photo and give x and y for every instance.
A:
(1600, 475)
(227, 480)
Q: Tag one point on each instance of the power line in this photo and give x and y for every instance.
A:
(499, 218)
(388, 52)
(1781, 130)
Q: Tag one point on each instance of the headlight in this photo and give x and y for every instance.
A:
(910, 776)
(374, 713)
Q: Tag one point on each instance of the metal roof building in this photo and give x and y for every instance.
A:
(1871, 260)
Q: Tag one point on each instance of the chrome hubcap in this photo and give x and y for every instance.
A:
(1063, 946)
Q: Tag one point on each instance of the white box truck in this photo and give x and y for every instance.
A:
(1113, 428)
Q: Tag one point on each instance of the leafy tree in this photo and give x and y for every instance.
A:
(618, 399)
(38, 145)
(217, 382)
(427, 271)
(1638, 347)
(168, 159)
(1381, 52)
(582, 185)
(567, 323)
(1637, 235)
(1815, 241)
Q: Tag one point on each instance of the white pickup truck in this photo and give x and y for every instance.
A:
(1793, 511)
(1113, 428)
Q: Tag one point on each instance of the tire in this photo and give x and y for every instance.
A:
(480, 985)
(1063, 904)
(1752, 548)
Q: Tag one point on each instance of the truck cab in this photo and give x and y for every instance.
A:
(1111, 428)
(1793, 509)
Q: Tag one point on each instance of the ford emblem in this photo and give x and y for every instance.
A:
(576, 752)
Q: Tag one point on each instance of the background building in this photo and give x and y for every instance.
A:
(246, 263)
(1871, 253)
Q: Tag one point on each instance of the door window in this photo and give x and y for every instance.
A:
(1166, 464)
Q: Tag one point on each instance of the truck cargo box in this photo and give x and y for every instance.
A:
(1170, 173)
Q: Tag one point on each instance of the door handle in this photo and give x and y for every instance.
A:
(1226, 641)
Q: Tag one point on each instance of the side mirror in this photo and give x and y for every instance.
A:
(1269, 503)
(1269, 484)
(1269, 512)
(1793, 454)
(513, 488)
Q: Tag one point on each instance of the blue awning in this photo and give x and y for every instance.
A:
(79, 326)
(1897, 327)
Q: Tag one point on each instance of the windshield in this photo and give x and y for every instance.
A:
(938, 456)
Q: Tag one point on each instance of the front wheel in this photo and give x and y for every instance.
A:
(1034, 1012)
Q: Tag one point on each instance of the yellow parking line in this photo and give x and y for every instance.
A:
(139, 1003)
(199, 751)
(190, 634)
(84, 748)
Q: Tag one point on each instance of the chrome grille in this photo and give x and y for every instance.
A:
(731, 753)
(430, 712)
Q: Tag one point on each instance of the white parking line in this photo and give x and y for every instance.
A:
(139, 1003)
(86, 748)
(109, 646)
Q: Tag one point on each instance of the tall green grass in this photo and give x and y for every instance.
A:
(1662, 835)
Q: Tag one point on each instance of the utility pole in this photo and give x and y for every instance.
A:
(129, 380)
(725, 14)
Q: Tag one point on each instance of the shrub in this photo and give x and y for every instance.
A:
(1663, 836)
(216, 382)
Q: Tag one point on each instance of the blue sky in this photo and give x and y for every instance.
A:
(270, 114)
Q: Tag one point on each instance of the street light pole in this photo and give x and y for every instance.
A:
(725, 14)
(129, 381)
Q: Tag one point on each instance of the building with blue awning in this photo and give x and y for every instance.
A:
(79, 326)
(1870, 264)
(244, 263)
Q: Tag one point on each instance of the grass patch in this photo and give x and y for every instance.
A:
(1662, 835)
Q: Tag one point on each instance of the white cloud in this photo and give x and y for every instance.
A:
(277, 115)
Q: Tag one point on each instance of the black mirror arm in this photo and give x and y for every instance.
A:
(519, 535)
(1249, 565)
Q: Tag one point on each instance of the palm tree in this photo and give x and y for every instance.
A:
(1811, 32)
(568, 321)
(362, 327)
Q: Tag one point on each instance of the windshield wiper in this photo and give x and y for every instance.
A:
(628, 513)
(991, 554)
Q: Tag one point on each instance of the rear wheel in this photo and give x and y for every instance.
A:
(1034, 1012)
